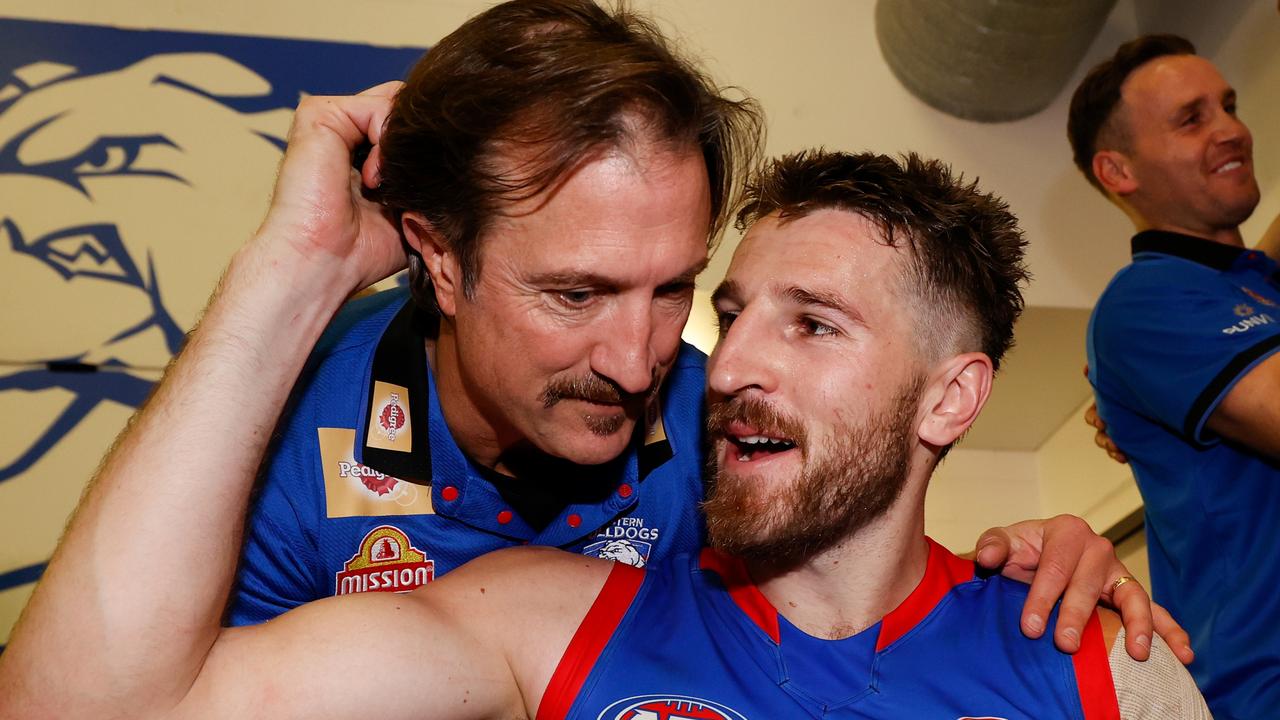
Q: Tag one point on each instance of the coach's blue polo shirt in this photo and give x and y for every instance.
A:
(365, 489)
(1169, 338)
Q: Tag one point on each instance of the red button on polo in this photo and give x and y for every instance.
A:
(625, 490)
(504, 517)
(449, 493)
(575, 520)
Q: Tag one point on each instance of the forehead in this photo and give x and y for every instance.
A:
(616, 204)
(1170, 82)
(829, 250)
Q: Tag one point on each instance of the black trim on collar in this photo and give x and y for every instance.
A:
(1206, 252)
(1224, 378)
(401, 359)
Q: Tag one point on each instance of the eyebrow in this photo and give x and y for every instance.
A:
(1228, 95)
(726, 290)
(571, 278)
(820, 298)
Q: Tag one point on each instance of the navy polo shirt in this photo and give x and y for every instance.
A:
(1169, 338)
(365, 489)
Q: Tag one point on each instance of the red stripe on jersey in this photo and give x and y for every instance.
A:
(743, 591)
(588, 642)
(1093, 674)
(942, 572)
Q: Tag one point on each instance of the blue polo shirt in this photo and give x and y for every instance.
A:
(365, 490)
(1169, 338)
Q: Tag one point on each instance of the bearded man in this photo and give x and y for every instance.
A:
(820, 595)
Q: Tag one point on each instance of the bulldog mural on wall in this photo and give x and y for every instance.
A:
(132, 165)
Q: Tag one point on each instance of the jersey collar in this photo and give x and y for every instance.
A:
(401, 422)
(943, 571)
(1199, 250)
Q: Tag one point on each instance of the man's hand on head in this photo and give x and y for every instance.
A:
(1063, 558)
(320, 215)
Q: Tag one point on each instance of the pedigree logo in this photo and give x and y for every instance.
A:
(355, 490)
(386, 562)
(390, 421)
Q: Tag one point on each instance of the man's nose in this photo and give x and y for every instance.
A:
(624, 352)
(743, 359)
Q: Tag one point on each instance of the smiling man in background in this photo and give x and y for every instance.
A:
(1182, 354)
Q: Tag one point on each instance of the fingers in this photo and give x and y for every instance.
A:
(1172, 633)
(994, 548)
(1091, 417)
(1067, 542)
(1100, 437)
(1130, 599)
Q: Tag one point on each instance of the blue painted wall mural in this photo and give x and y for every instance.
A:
(132, 165)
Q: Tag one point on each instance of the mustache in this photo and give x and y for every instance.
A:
(590, 388)
(763, 416)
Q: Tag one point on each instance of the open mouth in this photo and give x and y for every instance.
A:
(752, 448)
(1228, 166)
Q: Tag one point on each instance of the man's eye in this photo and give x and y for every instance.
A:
(812, 326)
(1230, 108)
(1191, 119)
(723, 320)
(575, 298)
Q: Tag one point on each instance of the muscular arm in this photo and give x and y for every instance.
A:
(1250, 412)
(130, 605)
(481, 642)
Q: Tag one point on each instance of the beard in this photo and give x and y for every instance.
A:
(842, 486)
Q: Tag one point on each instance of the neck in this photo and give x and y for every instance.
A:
(1226, 236)
(852, 585)
(477, 437)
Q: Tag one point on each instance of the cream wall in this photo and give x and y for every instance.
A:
(815, 67)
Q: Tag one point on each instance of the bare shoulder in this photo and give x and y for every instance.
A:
(527, 576)
(528, 602)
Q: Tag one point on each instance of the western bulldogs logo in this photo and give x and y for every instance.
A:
(628, 552)
(626, 541)
(668, 707)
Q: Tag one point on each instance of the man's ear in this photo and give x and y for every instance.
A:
(438, 258)
(958, 390)
(1114, 172)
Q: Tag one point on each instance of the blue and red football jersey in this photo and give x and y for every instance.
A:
(366, 490)
(696, 640)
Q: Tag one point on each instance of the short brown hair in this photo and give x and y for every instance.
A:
(966, 251)
(561, 78)
(1095, 100)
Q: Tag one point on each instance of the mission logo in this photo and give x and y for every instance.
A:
(386, 562)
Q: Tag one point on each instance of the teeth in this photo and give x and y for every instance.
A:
(762, 440)
(1230, 166)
